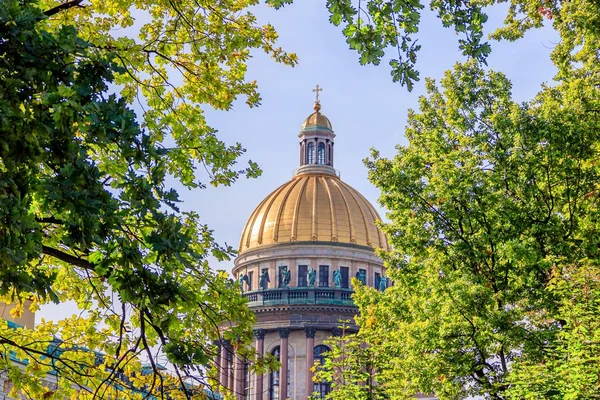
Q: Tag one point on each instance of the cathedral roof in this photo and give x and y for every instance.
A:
(316, 119)
(313, 207)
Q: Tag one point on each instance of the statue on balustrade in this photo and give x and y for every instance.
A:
(382, 283)
(264, 280)
(337, 278)
(287, 277)
(243, 278)
(361, 275)
(312, 277)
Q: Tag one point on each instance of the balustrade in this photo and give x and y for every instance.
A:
(316, 295)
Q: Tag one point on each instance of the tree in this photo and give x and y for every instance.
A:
(85, 214)
(492, 204)
(570, 366)
(178, 57)
(352, 367)
(375, 28)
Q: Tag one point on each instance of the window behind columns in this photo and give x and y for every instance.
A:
(250, 280)
(321, 153)
(310, 153)
(274, 383)
(302, 273)
(377, 279)
(321, 388)
(274, 377)
(246, 385)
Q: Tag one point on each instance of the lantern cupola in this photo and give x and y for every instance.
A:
(316, 141)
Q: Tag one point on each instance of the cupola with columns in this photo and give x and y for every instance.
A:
(316, 141)
(299, 250)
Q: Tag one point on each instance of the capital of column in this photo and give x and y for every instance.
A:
(310, 331)
(284, 332)
(225, 343)
(259, 333)
(336, 332)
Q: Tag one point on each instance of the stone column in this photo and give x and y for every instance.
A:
(310, 357)
(238, 365)
(224, 365)
(260, 348)
(217, 361)
(283, 360)
(231, 371)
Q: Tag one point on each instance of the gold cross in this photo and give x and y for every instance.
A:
(317, 90)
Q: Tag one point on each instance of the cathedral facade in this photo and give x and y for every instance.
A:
(298, 252)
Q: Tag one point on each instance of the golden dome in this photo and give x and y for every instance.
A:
(316, 119)
(313, 208)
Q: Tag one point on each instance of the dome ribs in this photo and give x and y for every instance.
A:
(362, 213)
(350, 220)
(375, 215)
(313, 207)
(294, 233)
(332, 209)
(272, 199)
(313, 234)
(247, 235)
(381, 242)
(282, 207)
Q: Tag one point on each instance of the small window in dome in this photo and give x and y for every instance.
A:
(321, 154)
(310, 153)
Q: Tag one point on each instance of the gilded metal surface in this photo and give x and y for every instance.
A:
(313, 207)
(316, 119)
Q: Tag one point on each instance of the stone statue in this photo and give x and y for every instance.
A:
(382, 284)
(264, 280)
(337, 278)
(242, 279)
(361, 275)
(287, 277)
(312, 277)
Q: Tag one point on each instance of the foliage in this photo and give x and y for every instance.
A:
(178, 57)
(352, 367)
(376, 27)
(489, 201)
(570, 366)
(85, 214)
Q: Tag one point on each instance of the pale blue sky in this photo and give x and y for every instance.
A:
(366, 109)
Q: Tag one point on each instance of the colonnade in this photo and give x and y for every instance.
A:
(235, 381)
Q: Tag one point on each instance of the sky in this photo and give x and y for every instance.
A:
(366, 108)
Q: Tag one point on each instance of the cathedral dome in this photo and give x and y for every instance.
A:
(313, 207)
(316, 119)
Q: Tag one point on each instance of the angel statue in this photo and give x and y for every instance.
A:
(312, 276)
(263, 280)
(337, 278)
(242, 279)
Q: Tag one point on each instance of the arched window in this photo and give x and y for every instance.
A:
(322, 388)
(274, 377)
(310, 153)
(274, 383)
(321, 154)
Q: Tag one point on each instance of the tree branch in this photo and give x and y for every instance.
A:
(63, 7)
(50, 220)
(68, 258)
